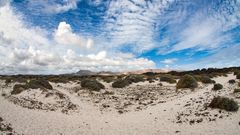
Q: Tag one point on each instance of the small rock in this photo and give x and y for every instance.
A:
(199, 120)
(120, 111)
(191, 122)
(177, 131)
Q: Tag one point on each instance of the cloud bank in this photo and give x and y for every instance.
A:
(25, 49)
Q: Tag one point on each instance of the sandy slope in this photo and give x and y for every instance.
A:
(156, 119)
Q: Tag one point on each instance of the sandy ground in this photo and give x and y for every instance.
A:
(156, 110)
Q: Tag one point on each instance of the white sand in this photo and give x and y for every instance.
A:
(90, 120)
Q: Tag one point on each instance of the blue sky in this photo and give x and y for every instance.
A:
(67, 35)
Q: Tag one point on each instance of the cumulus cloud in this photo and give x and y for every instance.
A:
(169, 61)
(64, 35)
(25, 49)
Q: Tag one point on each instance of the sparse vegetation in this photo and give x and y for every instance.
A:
(108, 79)
(58, 80)
(40, 83)
(17, 89)
(217, 86)
(206, 79)
(32, 84)
(236, 91)
(120, 83)
(232, 81)
(187, 81)
(135, 78)
(224, 103)
(236, 72)
(7, 81)
(123, 82)
(238, 76)
(92, 84)
(167, 78)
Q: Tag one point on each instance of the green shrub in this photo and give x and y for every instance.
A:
(217, 86)
(120, 83)
(18, 88)
(238, 84)
(20, 80)
(206, 79)
(92, 85)
(187, 81)
(7, 81)
(238, 76)
(123, 82)
(108, 79)
(58, 80)
(135, 78)
(232, 81)
(167, 78)
(236, 91)
(224, 103)
(197, 77)
(39, 83)
(236, 72)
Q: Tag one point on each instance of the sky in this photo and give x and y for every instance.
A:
(64, 36)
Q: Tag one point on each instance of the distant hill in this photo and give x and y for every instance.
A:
(105, 73)
(85, 73)
(147, 70)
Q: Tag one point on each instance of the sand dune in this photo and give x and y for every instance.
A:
(157, 110)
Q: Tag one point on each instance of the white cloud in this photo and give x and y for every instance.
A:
(169, 61)
(202, 26)
(64, 35)
(131, 23)
(25, 49)
(203, 35)
(54, 7)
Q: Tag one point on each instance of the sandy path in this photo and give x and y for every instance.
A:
(153, 120)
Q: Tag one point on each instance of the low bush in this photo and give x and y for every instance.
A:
(108, 79)
(167, 78)
(32, 84)
(238, 76)
(236, 72)
(217, 86)
(238, 84)
(135, 78)
(58, 80)
(92, 85)
(151, 79)
(39, 83)
(197, 77)
(7, 81)
(224, 103)
(236, 91)
(120, 83)
(232, 81)
(20, 80)
(187, 81)
(123, 82)
(206, 79)
(18, 88)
